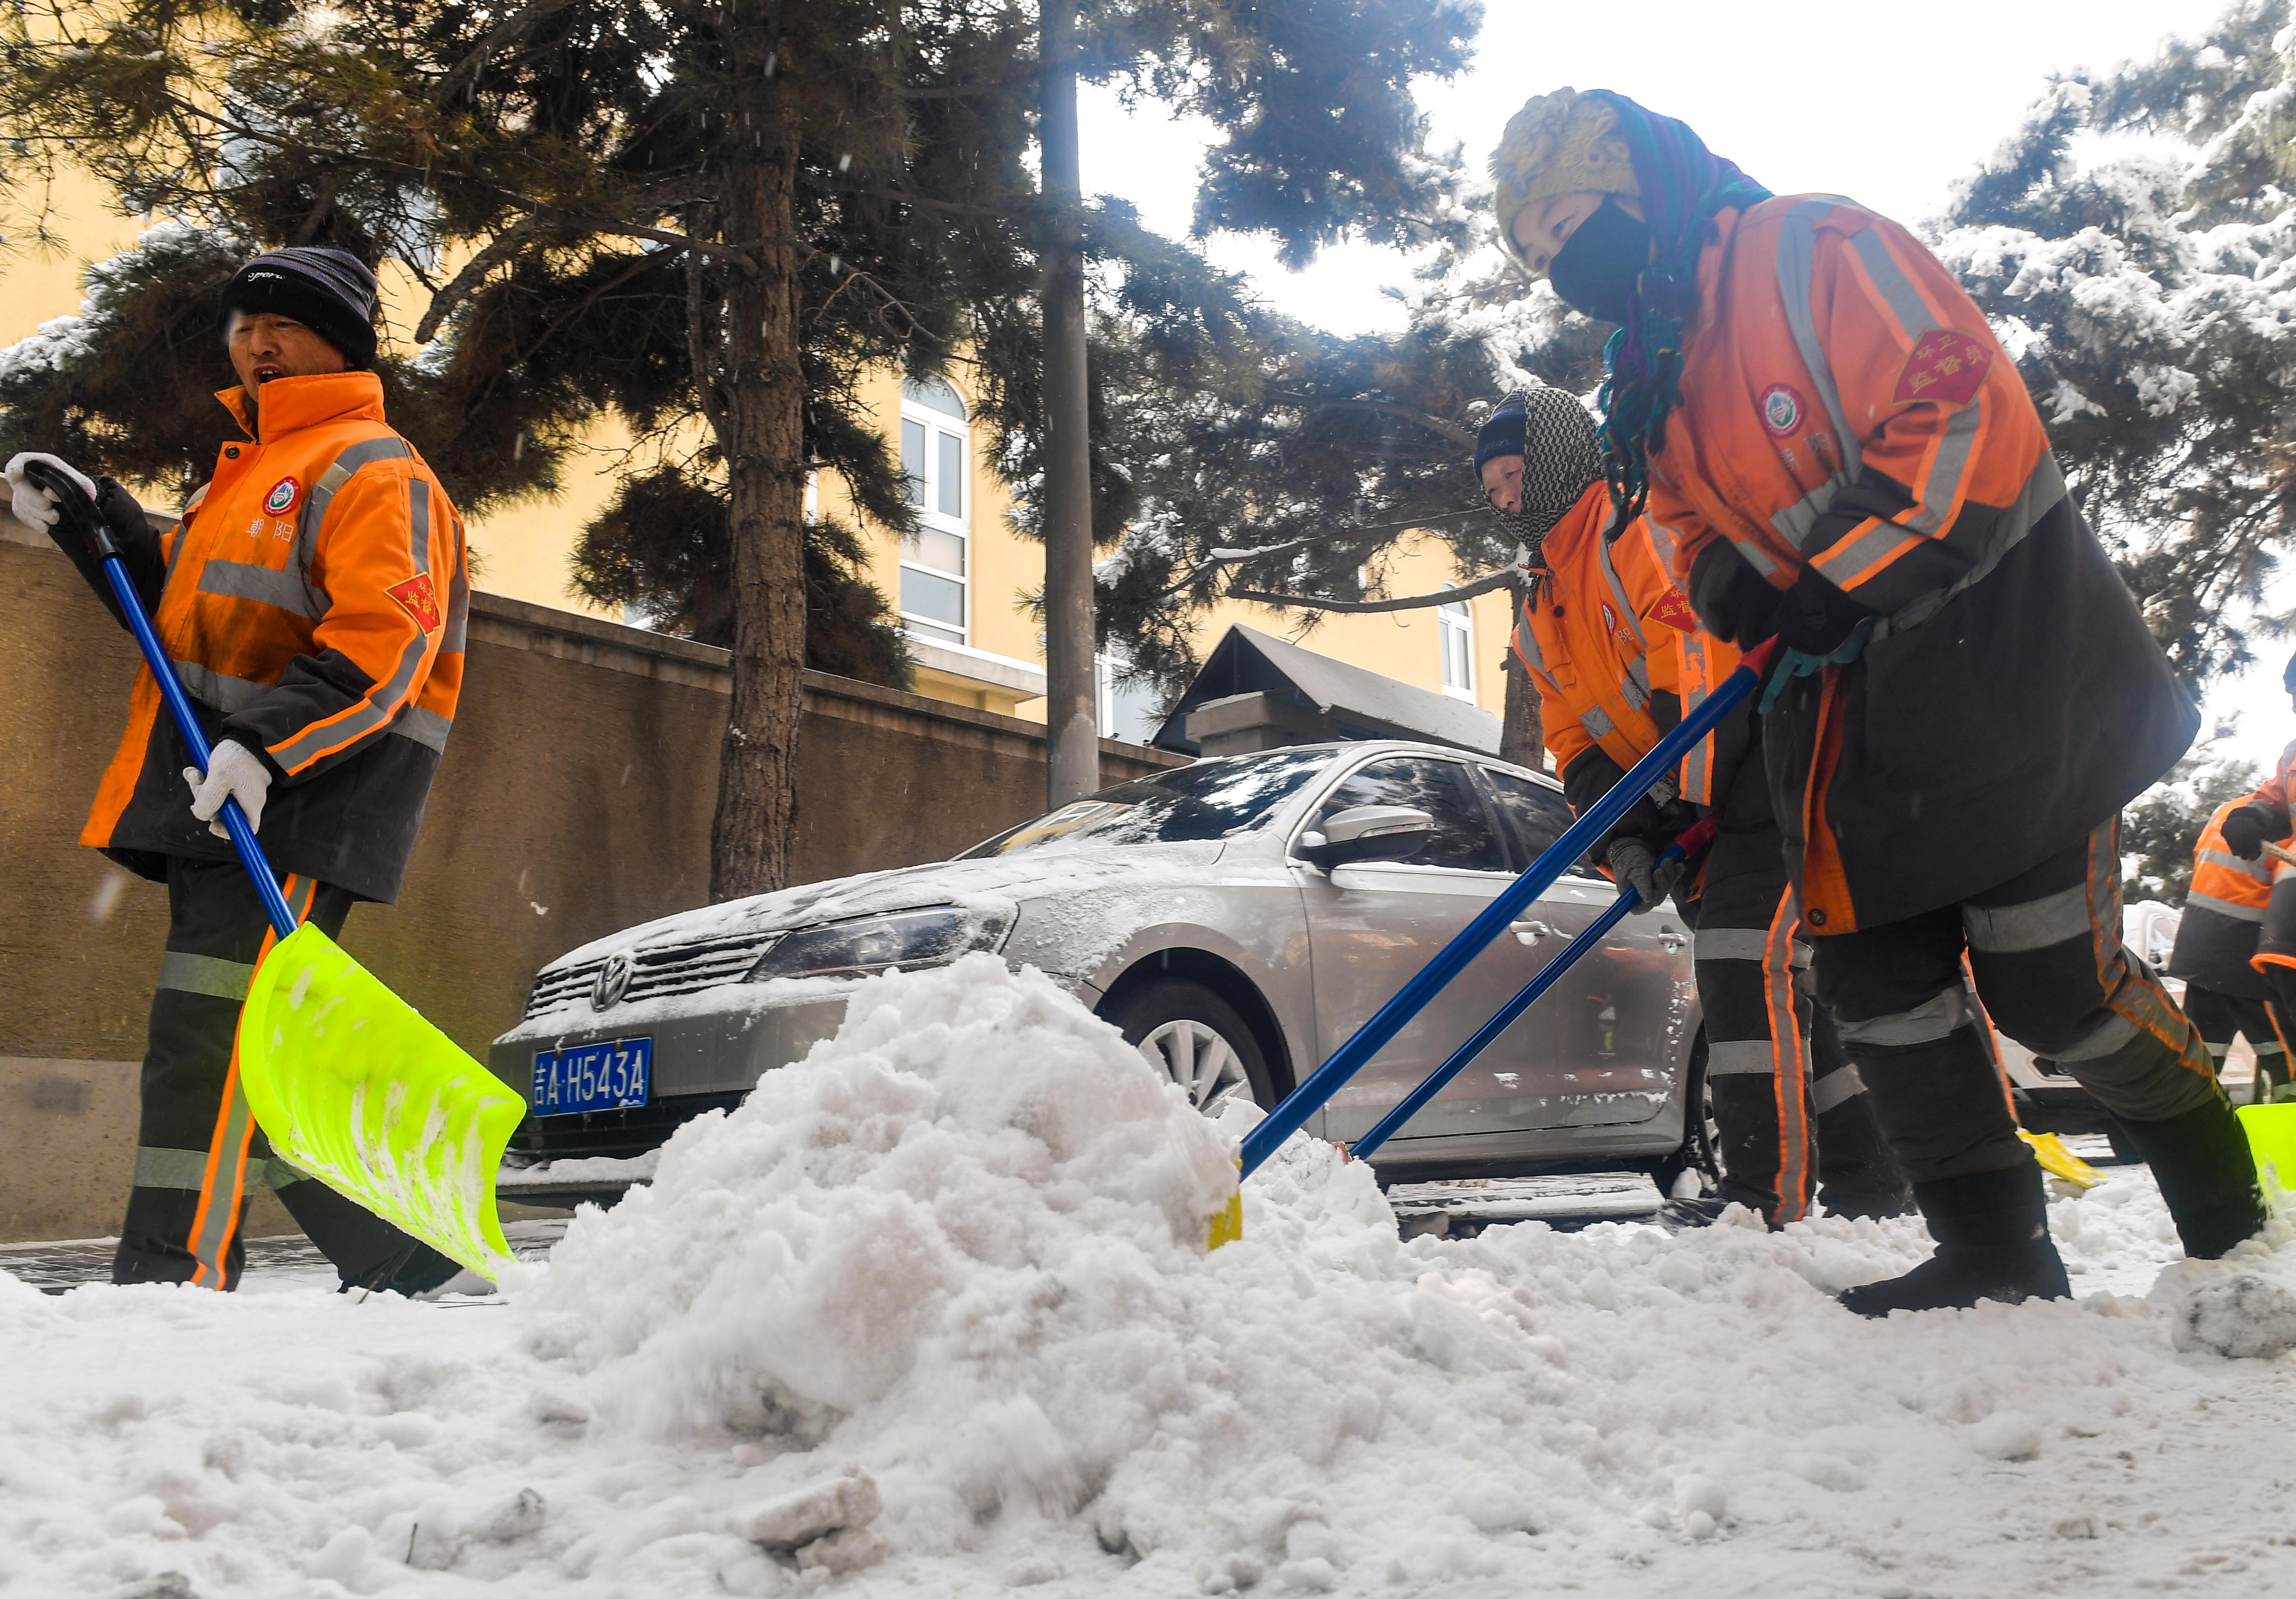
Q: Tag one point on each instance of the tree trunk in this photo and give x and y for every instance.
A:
(762, 431)
(1071, 708)
(1523, 739)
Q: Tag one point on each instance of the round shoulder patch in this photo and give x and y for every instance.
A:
(1781, 408)
(283, 497)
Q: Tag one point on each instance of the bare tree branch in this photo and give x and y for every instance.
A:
(1504, 578)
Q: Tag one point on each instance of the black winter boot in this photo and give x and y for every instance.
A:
(2207, 1173)
(1992, 1231)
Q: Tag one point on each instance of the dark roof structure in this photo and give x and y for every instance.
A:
(1346, 701)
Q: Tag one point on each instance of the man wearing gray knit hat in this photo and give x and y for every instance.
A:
(329, 291)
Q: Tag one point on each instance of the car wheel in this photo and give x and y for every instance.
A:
(1197, 1040)
(1702, 1134)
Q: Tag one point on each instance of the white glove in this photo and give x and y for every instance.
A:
(35, 507)
(233, 772)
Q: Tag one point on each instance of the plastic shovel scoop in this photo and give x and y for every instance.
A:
(2059, 1161)
(2272, 1140)
(352, 1086)
(348, 1082)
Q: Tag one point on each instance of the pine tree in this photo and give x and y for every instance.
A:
(726, 212)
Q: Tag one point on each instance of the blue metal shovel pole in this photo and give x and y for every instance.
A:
(1389, 1125)
(1391, 1018)
(74, 502)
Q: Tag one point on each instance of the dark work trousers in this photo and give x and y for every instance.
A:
(1791, 1109)
(2044, 951)
(2222, 1017)
(198, 1148)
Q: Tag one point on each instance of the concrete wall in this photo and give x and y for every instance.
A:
(575, 798)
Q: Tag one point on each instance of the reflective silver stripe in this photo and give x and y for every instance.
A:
(1797, 263)
(1729, 944)
(1926, 1023)
(1905, 301)
(1596, 720)
(418, 522)
(1843, 561)
(245, 580)
(2220, 1050)
(2260, 868)
(313, 519)
(1696, 777)
(1837, 1087)
(217, 690)
(1619, 592)
(1948, 464)
(1526, 637)
(1750, 1057)
(209, 1244)
(2226, 907)
(208, 974)
(1755, 556)
(425, 727)
(2273, 1048)
(1634, 688)
(2036, 924)
(373, 712)
(278, 1173)
(458, 611)
(158, 1167)
(2103, 1039)
(1794, 524)
(2039, 497)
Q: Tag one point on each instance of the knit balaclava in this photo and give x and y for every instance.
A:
(1560, 458)
(330, 292)
(1564, 143)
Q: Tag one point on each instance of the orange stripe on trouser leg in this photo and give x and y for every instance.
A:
(1992, 1037)
(223, 1186)
(2153, 1011)
(1787, 1053)
(2287, 1060)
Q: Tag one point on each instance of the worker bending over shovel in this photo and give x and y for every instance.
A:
(1615, 651)
(1822, 425)
(314, 598)
(2226, 994)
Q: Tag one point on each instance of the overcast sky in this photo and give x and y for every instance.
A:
(1874, 103)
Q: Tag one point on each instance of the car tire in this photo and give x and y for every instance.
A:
(1700, 1134)
(1197, 1039)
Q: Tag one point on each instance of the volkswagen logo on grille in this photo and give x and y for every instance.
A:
(613, 982)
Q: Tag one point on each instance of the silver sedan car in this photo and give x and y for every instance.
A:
(1236, 919)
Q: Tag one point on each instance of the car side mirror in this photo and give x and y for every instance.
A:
(1368, 832)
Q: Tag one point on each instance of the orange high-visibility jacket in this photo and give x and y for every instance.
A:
(1846, 408)
(1602, 630)
(2223, 912)
(314, 599)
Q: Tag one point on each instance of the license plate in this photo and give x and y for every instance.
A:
(593, 1076)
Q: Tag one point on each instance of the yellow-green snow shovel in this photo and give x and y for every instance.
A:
(2272, 1139)
(348, 1082)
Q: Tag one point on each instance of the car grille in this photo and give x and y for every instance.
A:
(615, 1135)
(656, 971)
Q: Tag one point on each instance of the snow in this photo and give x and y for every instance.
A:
(929, 1315)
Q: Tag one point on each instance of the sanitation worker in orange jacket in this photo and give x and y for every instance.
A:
(2243, 830)
(1844, 458)
(1604, 635)
(2225, 994)
(314, 598)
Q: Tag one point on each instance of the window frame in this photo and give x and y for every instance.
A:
(1335, 780)
(1455, 616)
(938, 422)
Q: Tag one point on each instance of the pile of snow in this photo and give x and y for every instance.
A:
(930, 1313)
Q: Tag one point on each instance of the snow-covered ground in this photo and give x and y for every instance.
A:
(945, 1282)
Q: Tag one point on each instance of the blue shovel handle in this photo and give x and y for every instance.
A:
(1391, 1018)
(72, 501)
(1630, 897)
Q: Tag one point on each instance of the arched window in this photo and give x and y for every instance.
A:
(1455, 632)
(937, 458)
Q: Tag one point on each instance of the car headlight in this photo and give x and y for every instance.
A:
(925, 938)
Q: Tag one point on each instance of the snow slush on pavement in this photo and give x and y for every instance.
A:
(931, 1313)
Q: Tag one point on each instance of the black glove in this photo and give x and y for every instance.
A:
(1633, 863)
(2247, 829)
(1593, 775)
(1732, 599)
(1816, 618)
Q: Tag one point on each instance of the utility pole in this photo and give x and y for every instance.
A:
(1071, 702)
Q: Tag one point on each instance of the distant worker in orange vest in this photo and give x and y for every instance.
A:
(1965, 696)
(2224, 994)
(2245, 829)
(1613, 650)
(314, 598)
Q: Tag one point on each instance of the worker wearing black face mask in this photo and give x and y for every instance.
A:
(1595, 271)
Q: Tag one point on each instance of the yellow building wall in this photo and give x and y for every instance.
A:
(525, 550)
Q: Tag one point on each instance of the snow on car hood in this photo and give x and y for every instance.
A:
(995, 882)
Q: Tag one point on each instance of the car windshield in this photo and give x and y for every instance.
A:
(1210, 800)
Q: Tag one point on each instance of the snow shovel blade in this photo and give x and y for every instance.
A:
(2272, 1140)
(353, 1087)
(2059, 1161)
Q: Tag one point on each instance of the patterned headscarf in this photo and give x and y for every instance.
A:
(1560, 457)
(1680, 185)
